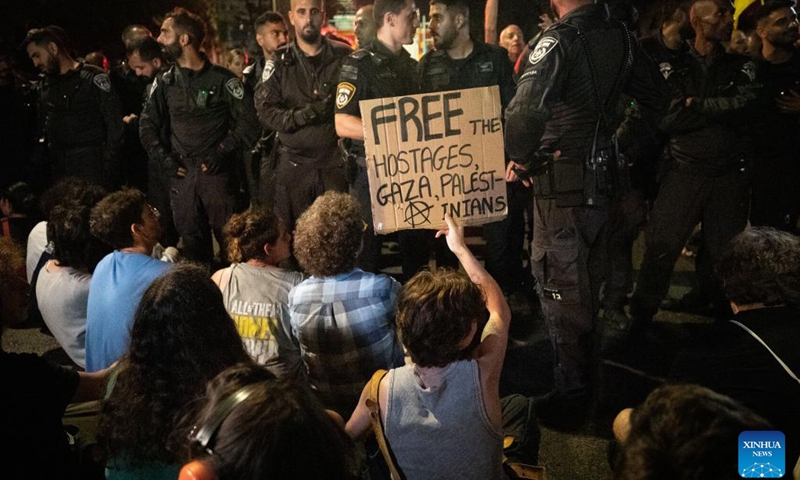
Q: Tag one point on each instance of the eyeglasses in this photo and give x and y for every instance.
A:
(155, 211)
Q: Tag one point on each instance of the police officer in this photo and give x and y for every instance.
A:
(630, 209)
(146, 60)
(296, 100)
(271, 35)
(559, 138)
(383, 68)
(776, 170)
(80, 120)
(197, 116)
(460, 61)
(706, 177)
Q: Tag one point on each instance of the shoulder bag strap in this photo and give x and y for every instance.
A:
(377, 425)
(754, 335)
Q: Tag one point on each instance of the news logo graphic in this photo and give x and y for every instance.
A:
(762, 454)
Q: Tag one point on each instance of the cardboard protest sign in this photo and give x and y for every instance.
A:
(432, 154)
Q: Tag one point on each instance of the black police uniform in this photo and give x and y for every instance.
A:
(80, 121)
(369, 73)
(557, 108)
(296, 100)
(192, 118)
(259, 164)
(131, 88)
(706, 179)
(775, 198)
(630, 208)
(486, 65)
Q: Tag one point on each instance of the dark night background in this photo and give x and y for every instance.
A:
(97, 24)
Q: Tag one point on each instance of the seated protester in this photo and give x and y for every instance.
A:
(65, 190)
(683, 432)
(253, 426)
(125, 221)
(35, 391)
(181, 338)
(70, 192)
(760, 272)
(19, 215)
(442, 414)
(62, 288)
(256, 291)
(342, 316)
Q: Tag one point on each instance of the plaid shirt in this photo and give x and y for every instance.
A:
(345, 325)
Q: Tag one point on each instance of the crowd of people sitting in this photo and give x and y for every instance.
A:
(234, 321)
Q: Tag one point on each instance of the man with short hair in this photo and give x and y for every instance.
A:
(458, 62)
(146, 60)
(559, 126)
(513, 41)
(271, 35)
(296, 100)
(209, 117)
(776, 173)
(706, 178)
(80, 121)
(364, 26)
(383, 68)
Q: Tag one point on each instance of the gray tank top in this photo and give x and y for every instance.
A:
(257, 300)
(442, 432)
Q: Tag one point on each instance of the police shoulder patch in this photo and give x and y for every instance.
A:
(269, 69)
(102, 81)
(666, 69)
(344, 93)
(235, 88)
(545, 46)
(749, 69)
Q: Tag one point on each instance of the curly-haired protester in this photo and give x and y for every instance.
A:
(254, 426)
(442, 413)
(126, 222)
(754, 358)
(36, 392)
(683, 431)
(342, 316)
(62, 286)
(181, 338)
(256, 290)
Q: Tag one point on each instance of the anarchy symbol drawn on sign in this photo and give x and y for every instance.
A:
(417, 213)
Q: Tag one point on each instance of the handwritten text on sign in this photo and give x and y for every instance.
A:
(432, 154)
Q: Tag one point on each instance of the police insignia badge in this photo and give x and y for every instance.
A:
(666, 69)
(749, 69)
(269, 68)
(344, 93)
(541, 50)
(102, 82)
(235, 87)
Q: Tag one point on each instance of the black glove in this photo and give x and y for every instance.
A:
(314, 113)
(537, 165)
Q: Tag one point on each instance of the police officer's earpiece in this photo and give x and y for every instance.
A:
(203, 436)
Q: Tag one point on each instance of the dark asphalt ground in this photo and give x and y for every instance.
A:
(627, 376)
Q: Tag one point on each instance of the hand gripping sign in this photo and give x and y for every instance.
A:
(432, 154)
